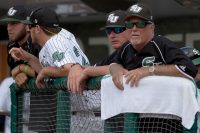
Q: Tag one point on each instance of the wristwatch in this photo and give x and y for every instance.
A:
(151, 70)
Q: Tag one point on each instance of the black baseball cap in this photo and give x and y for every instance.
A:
(193, 54)
(115, 19)
(15, 14)
(43, 16)
(141, 11)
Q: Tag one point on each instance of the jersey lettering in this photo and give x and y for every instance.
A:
(76, 51)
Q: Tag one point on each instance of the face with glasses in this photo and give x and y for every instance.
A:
(117, 36)
(141, 31)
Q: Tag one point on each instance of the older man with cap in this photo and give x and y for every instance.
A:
(117, 35)
(148, 54)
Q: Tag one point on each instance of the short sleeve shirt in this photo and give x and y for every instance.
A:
(62, 49)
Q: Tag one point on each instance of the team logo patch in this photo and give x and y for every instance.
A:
(112, 18)
(58, 56)
(11, 11)
(148, 61)
(135, 8)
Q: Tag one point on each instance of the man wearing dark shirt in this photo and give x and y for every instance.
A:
(19, 36)
(117, 36)
(148, 54)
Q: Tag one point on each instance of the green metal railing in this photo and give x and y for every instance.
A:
(59, 85)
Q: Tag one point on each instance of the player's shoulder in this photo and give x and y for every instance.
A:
(125, 46)
(65, 34)
(162, 41)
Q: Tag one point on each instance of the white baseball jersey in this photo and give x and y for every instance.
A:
(62, 49)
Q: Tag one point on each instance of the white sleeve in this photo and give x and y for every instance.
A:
(61, 51)
(5, 99)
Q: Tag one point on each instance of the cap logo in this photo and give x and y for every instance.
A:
(11, 11)
(196, 52)
(135, 8)
(112, 18)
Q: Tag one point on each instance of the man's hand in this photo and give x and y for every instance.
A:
(83, 80)
(40, 79)
(21, 79)
(73, 78)
(15, 71)
(117, 72)
(20, 54)
(135, 75)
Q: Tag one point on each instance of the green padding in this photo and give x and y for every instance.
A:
(63, 112)
(130, 123)
(196, 61)
(95, 83)
(63, 101)
(58, 84)
(13, 109)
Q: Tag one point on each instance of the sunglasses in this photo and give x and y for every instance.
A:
(116, 30)
(140, 24)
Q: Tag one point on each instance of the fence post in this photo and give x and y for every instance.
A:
(130, 123)
(63, 112)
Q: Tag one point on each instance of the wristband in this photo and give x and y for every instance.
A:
(26, 69)
(151, 70)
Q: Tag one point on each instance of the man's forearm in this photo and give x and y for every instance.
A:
(168, 70)
(93, 71)
(35, 64)
(54, 72)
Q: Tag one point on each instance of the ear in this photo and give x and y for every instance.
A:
(27, 28)
(37, 29)
(152, 26)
